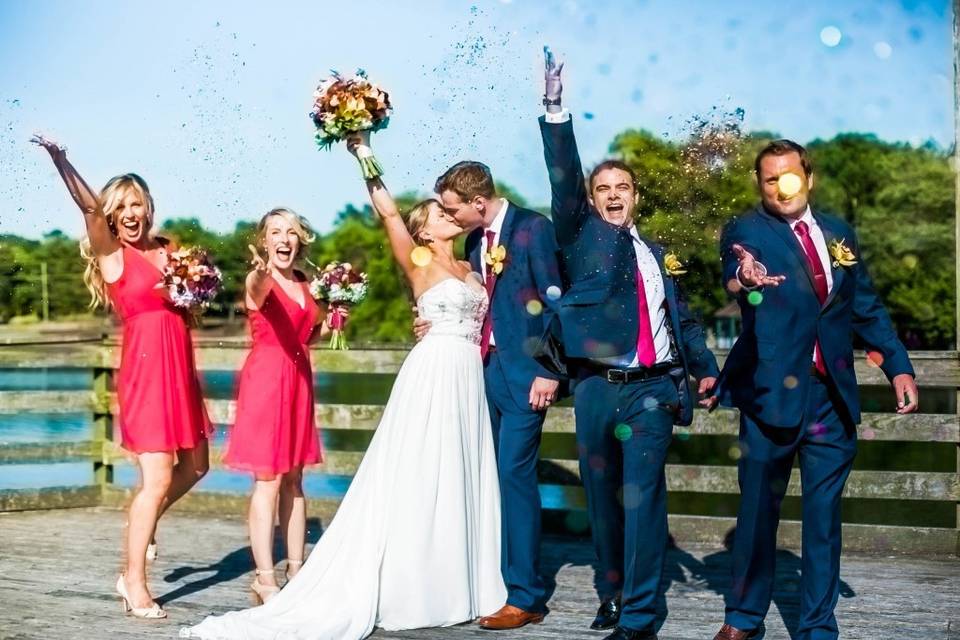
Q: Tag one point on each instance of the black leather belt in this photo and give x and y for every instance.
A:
(622, 376)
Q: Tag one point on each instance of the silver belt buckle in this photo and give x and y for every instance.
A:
(616, 375)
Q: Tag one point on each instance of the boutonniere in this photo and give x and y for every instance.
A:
(842, 256)
(672, 265)
(496, 257)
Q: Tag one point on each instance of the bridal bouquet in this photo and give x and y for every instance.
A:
(342, 106)
(191, 279)
(339, 285)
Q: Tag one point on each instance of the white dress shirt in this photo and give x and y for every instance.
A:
(820, 242)
(495, 226)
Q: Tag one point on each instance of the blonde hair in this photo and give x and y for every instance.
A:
(110, 196)
(418, 216)
(298, 222)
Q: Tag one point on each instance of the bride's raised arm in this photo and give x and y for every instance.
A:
(102, 241)
(401, 242)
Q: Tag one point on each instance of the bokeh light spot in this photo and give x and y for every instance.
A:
(830, 36)
(623, 432)
(882, 50)
(534, 307)
(874, 358)
(421, 256)
(789, 184)
(754, 298)
(910, 261)
(790, 382)
(735, 453)
(553, 292)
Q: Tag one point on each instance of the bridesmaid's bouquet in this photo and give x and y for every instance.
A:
(342, 106)
(191, 279)
(339, 285)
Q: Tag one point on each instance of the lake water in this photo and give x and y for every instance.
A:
(350, 388)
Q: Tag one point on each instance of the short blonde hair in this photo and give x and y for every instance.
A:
(298, 222)
(418, 216)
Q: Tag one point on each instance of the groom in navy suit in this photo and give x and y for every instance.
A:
(804, 291)
(625, 327)
(515, 251)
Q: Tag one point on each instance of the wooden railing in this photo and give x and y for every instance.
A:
(559, 473)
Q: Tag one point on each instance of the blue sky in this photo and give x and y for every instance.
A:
(209, 101)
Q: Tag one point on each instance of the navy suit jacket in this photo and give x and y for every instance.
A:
(767, 373)
(530, 269)
(598, 313)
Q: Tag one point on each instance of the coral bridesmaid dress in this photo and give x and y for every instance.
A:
(275, 429)
(161, 406)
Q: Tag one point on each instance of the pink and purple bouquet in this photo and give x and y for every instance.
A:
(342, 106)
(191, 279)
(339, 285)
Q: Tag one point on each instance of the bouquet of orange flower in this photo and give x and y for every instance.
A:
(191, 279)
(342, 106)
(339, 285)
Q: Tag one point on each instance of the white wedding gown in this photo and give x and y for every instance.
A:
(416, 540)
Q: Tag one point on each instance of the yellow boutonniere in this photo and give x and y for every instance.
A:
(842, 256)
(672, 265)
(495, 257)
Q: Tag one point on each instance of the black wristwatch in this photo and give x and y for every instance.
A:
(551, 102)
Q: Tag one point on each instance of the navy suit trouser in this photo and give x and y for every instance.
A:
(623, 433)
(516, 437)
(826, 447)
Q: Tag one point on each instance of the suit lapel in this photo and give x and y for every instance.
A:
(782, 229)
(506, 232)
(669, 290)
(837, 272)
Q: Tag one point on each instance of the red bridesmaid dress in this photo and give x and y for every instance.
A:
(161, 406)
(275, 429)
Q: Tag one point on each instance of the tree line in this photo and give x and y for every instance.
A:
(899, 198)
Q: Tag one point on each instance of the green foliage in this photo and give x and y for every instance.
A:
(900, 200)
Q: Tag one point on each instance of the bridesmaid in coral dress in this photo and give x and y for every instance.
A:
(162, 417)
(275, 434)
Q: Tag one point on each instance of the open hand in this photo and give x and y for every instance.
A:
(53, 148)
(905, 386)
(259, 265)
(751, 272)
(552, 85)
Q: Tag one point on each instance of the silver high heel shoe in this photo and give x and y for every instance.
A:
(263, 592)
(153, 612)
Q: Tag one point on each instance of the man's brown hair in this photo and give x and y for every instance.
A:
(467, 179)
(781, 148)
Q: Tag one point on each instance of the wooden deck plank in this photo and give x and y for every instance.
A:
(59, 566)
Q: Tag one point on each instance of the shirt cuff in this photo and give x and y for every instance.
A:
(741, 282)
(558, 118)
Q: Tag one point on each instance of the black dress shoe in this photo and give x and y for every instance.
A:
(607, 615)
(629, 634)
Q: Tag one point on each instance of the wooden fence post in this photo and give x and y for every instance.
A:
(102, 448)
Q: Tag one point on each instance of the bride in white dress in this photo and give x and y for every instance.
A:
(416, 540)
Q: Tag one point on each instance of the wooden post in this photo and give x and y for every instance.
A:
(102, 428)
(956, 211)
(44, 292)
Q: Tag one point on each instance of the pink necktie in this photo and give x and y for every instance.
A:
(819, 280)
(488, 283)
(646, 354)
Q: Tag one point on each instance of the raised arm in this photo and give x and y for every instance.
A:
(401, 242)
(102, 241)
(569, 204)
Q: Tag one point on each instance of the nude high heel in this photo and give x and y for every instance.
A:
(153, 612)
(296, 564)
(263, 592)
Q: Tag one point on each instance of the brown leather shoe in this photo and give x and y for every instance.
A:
(732, 633)
(509, 617)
